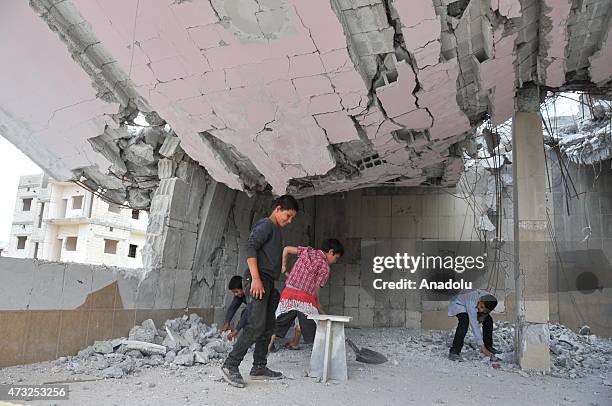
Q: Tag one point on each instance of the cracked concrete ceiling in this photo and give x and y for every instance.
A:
(308, 97)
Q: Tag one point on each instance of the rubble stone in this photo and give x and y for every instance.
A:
(182, 341)
(103, 347)
(185, 358)
(112, 372)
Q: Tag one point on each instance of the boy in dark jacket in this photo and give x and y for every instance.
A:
(264, 256)
(235, 286)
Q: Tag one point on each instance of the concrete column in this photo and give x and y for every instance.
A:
(530, 234)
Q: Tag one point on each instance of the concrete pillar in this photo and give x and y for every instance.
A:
(530, 234)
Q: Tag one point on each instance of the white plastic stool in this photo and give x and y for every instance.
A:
(328, 359)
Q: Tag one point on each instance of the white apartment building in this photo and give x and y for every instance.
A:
(61, 221)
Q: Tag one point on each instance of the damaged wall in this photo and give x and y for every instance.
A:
(50, 309)
(580, 267)
(394, 216)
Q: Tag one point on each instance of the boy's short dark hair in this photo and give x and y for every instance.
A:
(332, 244)
(489, 301)
(286, 202)
(235, 282)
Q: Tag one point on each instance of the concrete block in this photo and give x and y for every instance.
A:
(397, 318)
(164, 288)
(366, 317)
(180, 194)
(381, 318)
(405, 227)
(364, 19)
(351, 312)
(324, 296)
(46, 293)
(338, 310)
(376, 206)
(170, 253)
(336, 296)
(352, 275)
(145, 291)
(406, 205)
(187, 250)
(413, 319)
(366, 299)
(374, 42)
(351, 296)
(165, 168)
(381, 227)
(336, 277)
(182, 286)
(169, 147)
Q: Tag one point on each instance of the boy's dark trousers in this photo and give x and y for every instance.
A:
(464, 325)
(259, 326)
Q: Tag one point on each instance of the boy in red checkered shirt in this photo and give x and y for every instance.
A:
(300, 297)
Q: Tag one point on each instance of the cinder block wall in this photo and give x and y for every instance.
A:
(373, 214)
(580, 263)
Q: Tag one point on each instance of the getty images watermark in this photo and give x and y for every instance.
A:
(405, 262)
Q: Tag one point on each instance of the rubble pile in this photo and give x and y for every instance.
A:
(584, 139)
(183, 341)
(572, 354)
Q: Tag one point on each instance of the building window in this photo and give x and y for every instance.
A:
(71, 243)
(21, 241)
(27, 204)
(40, 215)
(113, 208)
(77, 202)
(132, 251)
(110, 246)
(135, 214)
(110, 229)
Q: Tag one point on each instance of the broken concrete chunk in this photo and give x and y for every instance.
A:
(100, 364)
(195, 347)
(185, 358)
(85, 352)
(170, 356)
(134, 354)
(170, 146)
(145, 347)
(139, 153)
(145, 332)
(165, 168)
(112, 372)
(217, 346)
(103, 347)
(139, 198)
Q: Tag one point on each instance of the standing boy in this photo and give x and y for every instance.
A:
(235, 286)
(472, 306)
(264, 256)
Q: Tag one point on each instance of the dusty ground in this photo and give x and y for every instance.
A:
(418, 373)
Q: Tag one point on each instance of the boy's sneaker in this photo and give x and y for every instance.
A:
(264, 373)
(232, 376)
(454, 357)
(493, 350)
